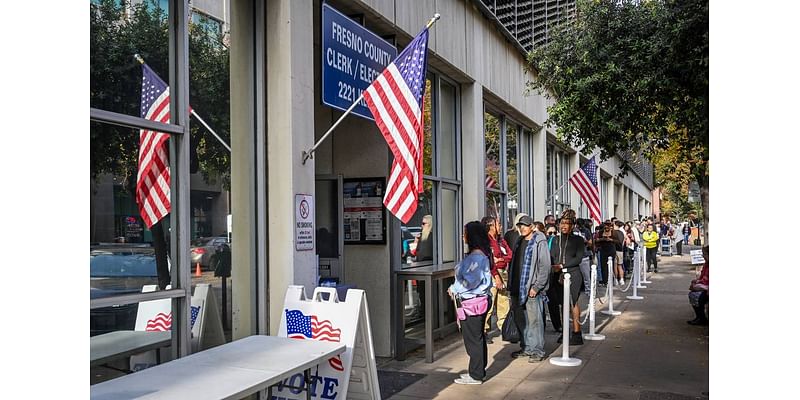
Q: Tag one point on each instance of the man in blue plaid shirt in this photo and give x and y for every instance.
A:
(533, 282)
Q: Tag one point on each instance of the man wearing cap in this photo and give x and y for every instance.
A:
(566, 255)
(525, 228)
(512, 235)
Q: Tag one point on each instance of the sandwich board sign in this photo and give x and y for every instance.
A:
(697, 257)
(156, 315)
(350, 375)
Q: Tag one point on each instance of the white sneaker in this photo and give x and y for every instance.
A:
(467, 381)
(465, 376)
(622, 282)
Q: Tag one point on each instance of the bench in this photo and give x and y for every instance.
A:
(231, 371)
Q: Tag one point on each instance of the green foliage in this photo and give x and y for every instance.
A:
(116, 34)
(628, 76)
(631, 77)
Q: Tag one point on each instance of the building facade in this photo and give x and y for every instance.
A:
(487, 152)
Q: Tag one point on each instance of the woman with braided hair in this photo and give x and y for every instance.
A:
(566, 255)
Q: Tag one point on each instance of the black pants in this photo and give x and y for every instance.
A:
(679, 247)
(555, 296)
(650, 254)
(475, 343)
(700, 310)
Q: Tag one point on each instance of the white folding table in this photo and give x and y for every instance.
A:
(118, 344)
(230, 371)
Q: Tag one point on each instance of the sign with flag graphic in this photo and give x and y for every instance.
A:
(395, 99)
(352, 374)
(585, 183)
(300, 326)
(161, 322)
(152, 180)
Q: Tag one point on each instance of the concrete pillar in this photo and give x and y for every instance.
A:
(245, 131)
(473, 153)
(539, 155)
(290, 130)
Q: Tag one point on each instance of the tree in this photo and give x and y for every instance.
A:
(631, 77)
(117, 32)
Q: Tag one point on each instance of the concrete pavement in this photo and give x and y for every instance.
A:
(650, 352)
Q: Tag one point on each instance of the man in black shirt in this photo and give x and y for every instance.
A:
(566, 253)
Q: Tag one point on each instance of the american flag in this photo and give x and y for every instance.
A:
(195, 312)
(300, 326)
(585, 182)
(152, 181)
(161, 322)
(395, 99)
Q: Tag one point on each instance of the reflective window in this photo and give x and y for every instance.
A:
(512, 200)
(448, 125)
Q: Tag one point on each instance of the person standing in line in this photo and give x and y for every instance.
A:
(554, 293)
(534, 274)
(471, 288)
(525, 226)
(605, 246)
(586, 263)
(629, 249)
(501, 253)
(566, 256)
(682, 238)
(549, 219)
(619, 244)
(650, 237)
(512, 235)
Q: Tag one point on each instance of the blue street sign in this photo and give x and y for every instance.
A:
(352, 57)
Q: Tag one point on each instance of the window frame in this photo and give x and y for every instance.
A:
(179, 151)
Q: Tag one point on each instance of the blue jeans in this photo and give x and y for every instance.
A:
(534, 326)
(586, 269)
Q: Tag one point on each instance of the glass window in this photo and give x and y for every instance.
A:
(512, 202)
(448, 124)
(492, 145)
(419, 235)
(449, 224)
(427, 129)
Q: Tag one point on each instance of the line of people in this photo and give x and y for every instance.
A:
(487, 278)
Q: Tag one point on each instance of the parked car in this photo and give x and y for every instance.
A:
(114, 270)
(204, 249)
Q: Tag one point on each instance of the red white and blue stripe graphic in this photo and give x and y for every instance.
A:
(161, 322)
(301, 326)
(585, 183)
(395, 99)
(153, 178)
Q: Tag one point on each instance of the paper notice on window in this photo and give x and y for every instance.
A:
(374, 228)
(354, 228)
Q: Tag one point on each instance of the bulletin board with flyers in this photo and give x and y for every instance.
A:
(363, 211)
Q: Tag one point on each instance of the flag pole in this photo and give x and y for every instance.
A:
(310, 153)
(141, 61)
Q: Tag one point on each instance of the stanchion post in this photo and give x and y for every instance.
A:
(591, 335)
(637, 268)
(644, 267)
(610, 287)
(565, 360)
(635, 295)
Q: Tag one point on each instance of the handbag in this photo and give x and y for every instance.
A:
(509, 330)
(694, 298)
(478, 305)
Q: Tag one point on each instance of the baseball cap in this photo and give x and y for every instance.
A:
(525, 220)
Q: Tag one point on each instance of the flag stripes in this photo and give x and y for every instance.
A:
(153, 177)
(585, 183)
(395, 99)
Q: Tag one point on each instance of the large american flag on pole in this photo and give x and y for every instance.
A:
(152, 181)
(585, 182)
(395, 99)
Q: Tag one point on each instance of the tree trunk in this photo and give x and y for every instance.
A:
(161, 250)
(702, 182)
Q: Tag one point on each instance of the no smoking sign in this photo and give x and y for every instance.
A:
(304, 222)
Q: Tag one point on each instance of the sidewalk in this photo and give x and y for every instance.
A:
(649, 353)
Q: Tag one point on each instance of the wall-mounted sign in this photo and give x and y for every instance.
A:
(303, 222)
(352, 57)
(364, 216)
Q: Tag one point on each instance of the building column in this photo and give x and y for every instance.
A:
(574, 196)
(473, 154)
(290, 130)
(539, 173)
